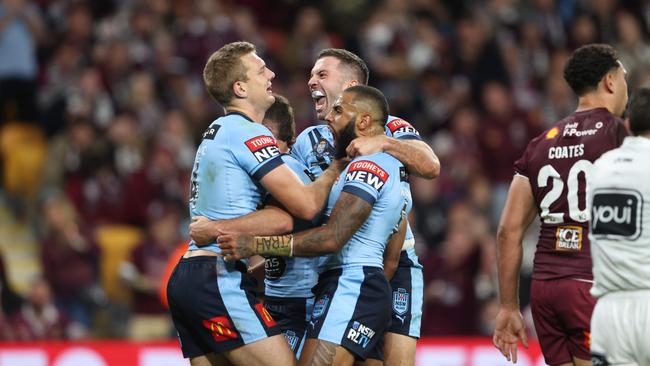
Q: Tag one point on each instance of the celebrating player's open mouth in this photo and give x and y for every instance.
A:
(320, 100)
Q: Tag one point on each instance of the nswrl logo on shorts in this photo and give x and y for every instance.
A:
(360, 334)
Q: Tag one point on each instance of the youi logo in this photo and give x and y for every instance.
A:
(616, 213)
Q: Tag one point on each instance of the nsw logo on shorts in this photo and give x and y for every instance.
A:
(568, 238)
(291, 338)
(616, 213)
(400, 301)
(263, 148)
(320, 305)
(401, 126)
(367, 172)
(360, 334)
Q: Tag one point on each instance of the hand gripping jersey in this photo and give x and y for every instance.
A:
(619, 198)
(294, 276)
(380, 180)
(557, 164)
(314, 148)
(233, 157)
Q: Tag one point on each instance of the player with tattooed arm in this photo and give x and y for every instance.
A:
(367, 205)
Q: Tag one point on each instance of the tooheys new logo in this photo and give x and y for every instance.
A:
(367, 172)
(401, 126)
(616, 213)
(263, 147)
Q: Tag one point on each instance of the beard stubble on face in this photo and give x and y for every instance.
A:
(344, 138)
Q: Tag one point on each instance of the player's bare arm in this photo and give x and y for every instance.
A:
(393, 250)
(518, 213)
(349, 213)
(416, 155)
(271, 220)
(302, 201)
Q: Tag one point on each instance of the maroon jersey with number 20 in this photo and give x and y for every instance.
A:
(556, 164)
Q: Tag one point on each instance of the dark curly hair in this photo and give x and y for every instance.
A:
(639, 112)
(587, 66)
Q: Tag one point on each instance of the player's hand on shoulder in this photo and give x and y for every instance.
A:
(509, 329)
(235, 247)
(367, 145)
(202, 230)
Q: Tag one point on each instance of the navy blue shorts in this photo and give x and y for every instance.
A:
(292, 315)
(406, 296)
(352, 309)
(214, 308)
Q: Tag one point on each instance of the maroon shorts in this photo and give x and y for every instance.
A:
(562, 312)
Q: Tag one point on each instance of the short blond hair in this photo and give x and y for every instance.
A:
(224, 68)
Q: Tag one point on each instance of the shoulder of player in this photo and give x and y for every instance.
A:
(380, 162)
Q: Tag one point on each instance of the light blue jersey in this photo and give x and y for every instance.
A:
(293, 277)
(235, 154)
(314, 147)
(380, 180)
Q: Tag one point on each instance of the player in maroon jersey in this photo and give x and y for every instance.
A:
(550, 182)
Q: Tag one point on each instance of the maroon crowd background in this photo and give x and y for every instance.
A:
(102, 107)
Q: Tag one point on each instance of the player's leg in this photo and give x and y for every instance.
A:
(399, 350)
(266, 352)
(407, 296)
(211, 359)
(317, 352)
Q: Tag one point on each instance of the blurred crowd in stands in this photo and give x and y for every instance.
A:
(102, 106)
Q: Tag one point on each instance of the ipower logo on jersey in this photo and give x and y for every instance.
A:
(568, 238)
(616, 213)
(571, 129)
(263, 147)
(360, 334)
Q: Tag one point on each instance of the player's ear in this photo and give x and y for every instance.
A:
(365, 122)
(239, 88)
(351, 83)
(609, 81)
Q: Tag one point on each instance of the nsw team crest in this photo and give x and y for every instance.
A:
(400, 301)
(320, 306)
(292, 339)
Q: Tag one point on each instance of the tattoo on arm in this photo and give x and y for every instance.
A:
(324, 354)
(273, 245)
(349, 213)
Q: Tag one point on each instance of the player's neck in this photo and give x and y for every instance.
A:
(593, 101)
(247, 110)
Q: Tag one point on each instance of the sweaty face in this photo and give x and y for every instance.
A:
(258, 86)
(326, 83)
(341, 121)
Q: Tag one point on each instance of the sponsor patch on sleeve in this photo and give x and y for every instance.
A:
(368, 172)
(401, 126)
(263, 148)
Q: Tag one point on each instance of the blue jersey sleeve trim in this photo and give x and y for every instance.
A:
(361, 193)
(266, 168)
(409, 137)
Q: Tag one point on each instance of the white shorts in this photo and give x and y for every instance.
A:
(620, 329)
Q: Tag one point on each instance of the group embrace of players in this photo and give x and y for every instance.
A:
(328, 214)
(327, 211)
